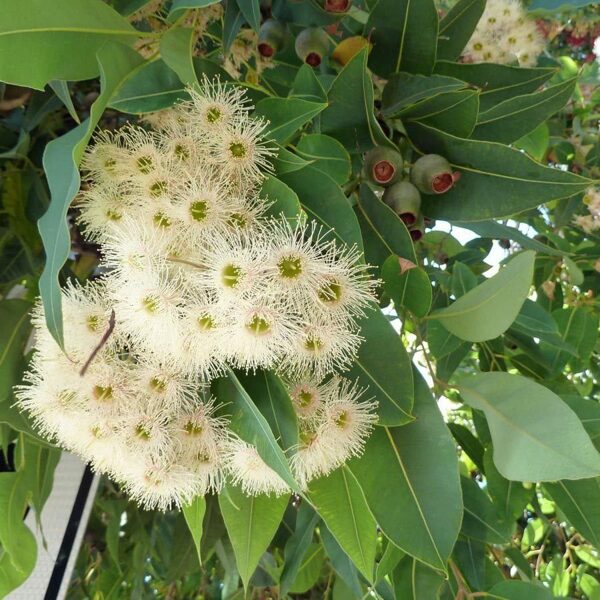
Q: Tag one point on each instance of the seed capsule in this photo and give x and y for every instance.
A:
(337, 6)
(312, 45)
(270, 38)
(405, 200)
(417, 231)
(383, 165)
(432, 174)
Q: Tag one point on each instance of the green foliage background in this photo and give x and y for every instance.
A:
(498, 498)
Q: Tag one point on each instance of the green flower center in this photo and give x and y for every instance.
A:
(162, 220)
(231, 275)
(199, 210)
(342, 419)
(305, 398)
(145, 164)
(110, 164)
(113, 215)
(313, 343)
(258, 325)
(206, 322)
(192, 428)
(238, 150)
(142, 431)
(331, 292)
(150, 303)
(238, 220)
(158, 384)
(181, 152)
(158, 188)
(103, 393)
(93, 322)
(213, 114)
(290, 267)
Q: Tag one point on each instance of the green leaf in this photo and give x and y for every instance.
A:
(286, 162)
(519, 590)
(307, 86)
(389, 380)
(510, 120)
(492, 229)
(536, 142)
(252, 427)
(327, 155)
(41, 41)
(61, 160)
(272, 400)
(251, 524)
(405, 90)
(383, 232)
(409, 288)
(489, 309)
(452, 112)
(420, 509)
(404, 36)
(152, 87)
(527, 419)
(440, 341)
(336, 214)
(505, 180)
(496, 82)
(284, 200)
(457, 27)
(232, 23)
(481, 520)
(179, 5)
(297, 545)
(339, 500)
(391, 556)
(555, 5)
(310, 570)
(580, 503)
(286, 116)
(413, 580)
(251, 11)
(194, 516)
(14, 316)
(176, 49)
(342, 565)
(61, 89)
(19, 548)
(349, 116)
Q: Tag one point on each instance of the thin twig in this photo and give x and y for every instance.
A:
(107, 334)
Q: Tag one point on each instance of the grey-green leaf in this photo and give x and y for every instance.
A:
(194, 515)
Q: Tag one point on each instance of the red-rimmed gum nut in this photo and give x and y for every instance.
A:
(432, 174)
(271, 37)
(336, 6)
(405, 200)
(312, 45)
(417, 231)
(383, 165)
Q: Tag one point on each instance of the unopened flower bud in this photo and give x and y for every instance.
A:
(383, 165)
(432, 174)
(311, 45)
(270, 38)
(405, 200)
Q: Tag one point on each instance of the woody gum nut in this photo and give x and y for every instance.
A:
(383, 165)
(432, 174)
(405, 200)
(311, 45)
(270, 38)
(337, 6)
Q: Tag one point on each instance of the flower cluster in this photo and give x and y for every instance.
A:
(197, 279)
(590, 222)
(505, 34)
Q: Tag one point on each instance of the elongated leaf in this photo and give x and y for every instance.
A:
(286, 115)
(404, 36)
(297, 545)
(152, 87)
(251, 11)
(349, 117)
(482, 521)
(546, 5)
(286, 162)
(421, 509)
(56, 40)
(410, 288)
(413, 580)
(310, 570)
(180, 5)
(252, 427)
(307, 86)
(391, 556)
(489, 309)
(512, 119)
(527, 419)
(14, 316)
(404, 90)
(505, 180)
(440, 341)
(580, 503)
(271, 398)
(283, 198)
(61, 160)
(384, 233)
(457, 27)
(194, 516)
(339, 500)
(232, 23)
(176, 47)
(61, 89)
(389, 381)
(493, 229)
(341, 563)
(496, 82)
(336, 214)
(520, 590)
(327, 155)
(251, 524)
(453, 112)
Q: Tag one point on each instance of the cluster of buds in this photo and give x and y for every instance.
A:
(590, 222)
(430, 174)
(197, 279)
